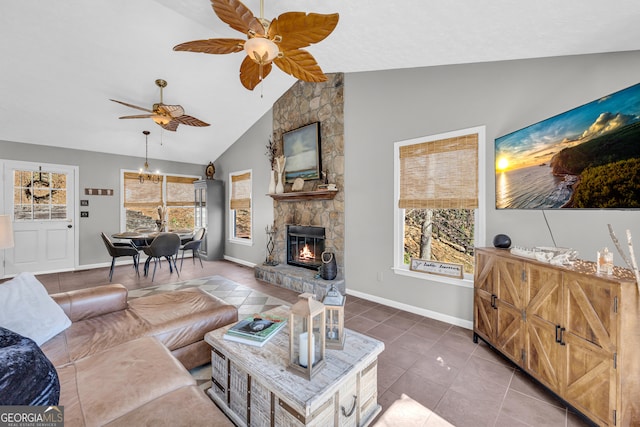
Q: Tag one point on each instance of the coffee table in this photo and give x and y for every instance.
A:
(253, 386)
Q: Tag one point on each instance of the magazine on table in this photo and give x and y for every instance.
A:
(256, 329)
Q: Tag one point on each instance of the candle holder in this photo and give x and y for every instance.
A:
(334, 308)
(271, 232)
(306, 336)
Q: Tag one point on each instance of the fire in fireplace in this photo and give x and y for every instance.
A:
(305, 245)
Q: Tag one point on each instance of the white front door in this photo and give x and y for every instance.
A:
(40, 198)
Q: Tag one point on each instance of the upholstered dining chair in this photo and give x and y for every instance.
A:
(165, 245)
(117, 250)
(193, 245)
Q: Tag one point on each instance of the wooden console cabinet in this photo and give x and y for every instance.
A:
(576, 332)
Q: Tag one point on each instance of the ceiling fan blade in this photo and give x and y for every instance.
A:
(132, 106)
(172, 125)
(171, 110)
(137, 116)
(216, 46)
(299, 29)
(237, 16)
(250, 74)
(190, 121)
(301, 65)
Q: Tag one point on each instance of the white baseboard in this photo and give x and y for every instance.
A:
(239, 261)
(467, 324)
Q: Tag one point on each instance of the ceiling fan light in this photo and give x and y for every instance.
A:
(261, 50)
(161, 120)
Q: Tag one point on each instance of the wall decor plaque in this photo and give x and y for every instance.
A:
(437, 267)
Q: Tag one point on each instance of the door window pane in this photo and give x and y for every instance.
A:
(39, 196)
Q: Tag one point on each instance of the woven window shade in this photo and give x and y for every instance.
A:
(136, 194)
(441, 174)
(240, 191)
(180, 191)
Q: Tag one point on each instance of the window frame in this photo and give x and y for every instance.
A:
(232, 213)
(123, 210)
(399, 267)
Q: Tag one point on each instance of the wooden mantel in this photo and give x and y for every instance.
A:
(305, 195)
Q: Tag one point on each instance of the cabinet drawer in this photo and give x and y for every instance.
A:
(238, 388)
(368, 392)
(261, 399)
(348, 402)
(286, 416)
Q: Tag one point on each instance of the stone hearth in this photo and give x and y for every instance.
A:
(298, 279)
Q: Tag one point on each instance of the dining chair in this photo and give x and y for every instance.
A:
(165, 245)
(193, 245)
(117, 250)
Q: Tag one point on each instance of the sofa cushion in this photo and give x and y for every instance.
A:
(27, 309)
(105, 386)
(94, 335)
(85, 303)
(27, 377)
(195, 409)
(193, 312)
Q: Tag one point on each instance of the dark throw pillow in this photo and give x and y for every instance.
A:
(27, 377)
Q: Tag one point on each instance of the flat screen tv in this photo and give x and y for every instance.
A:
(584, 158)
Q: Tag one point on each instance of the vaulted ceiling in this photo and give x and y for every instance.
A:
(61, 61)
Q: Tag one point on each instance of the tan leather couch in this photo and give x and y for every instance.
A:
(123, 363)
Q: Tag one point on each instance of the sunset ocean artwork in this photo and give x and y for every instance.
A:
(585, 158)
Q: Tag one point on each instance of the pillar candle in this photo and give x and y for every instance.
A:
(303, 341)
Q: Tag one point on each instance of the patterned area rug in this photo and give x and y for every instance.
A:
(248, 301)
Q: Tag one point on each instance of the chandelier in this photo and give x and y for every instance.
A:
(144, 174)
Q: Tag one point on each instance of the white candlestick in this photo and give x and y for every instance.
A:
(303, 343)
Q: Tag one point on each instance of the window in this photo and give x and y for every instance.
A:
(39, 196)
(240, 206)
(437, 183)
(141, 202)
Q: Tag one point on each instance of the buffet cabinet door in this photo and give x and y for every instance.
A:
(544, 320)
(590, 379)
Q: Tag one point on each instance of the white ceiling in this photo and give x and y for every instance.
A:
(61, 61)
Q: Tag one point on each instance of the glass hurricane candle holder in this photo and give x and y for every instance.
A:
(306, 336)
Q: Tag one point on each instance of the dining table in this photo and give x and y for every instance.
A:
(144, 238)
(140, 239)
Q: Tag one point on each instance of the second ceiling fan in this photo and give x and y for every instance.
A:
(167, 116)
(279, 41)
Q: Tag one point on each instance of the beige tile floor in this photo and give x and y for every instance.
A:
(434, 363)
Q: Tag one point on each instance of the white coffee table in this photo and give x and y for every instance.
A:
(253, 386)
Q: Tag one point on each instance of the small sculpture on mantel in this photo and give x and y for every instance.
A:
(298, 184)
(326, 185)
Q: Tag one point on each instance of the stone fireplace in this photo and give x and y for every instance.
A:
(305, 245)
(302, 104)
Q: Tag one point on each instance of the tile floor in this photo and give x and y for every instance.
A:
(435, 363)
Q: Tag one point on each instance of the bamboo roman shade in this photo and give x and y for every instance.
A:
(180, 191)
(240, 191)
(141, 194)
(441, 174)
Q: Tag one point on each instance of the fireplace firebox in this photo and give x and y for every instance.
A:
(305, 245)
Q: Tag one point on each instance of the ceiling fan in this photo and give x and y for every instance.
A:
(167, 116)
(279, 41)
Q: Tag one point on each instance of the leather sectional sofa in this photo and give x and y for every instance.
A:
(123, 362)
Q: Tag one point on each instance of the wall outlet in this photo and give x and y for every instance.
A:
(380, 276)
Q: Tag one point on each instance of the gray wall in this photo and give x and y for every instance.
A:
(96, 170)
(249, 152)
(389, 106)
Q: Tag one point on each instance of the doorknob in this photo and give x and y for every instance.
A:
(69, 226)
